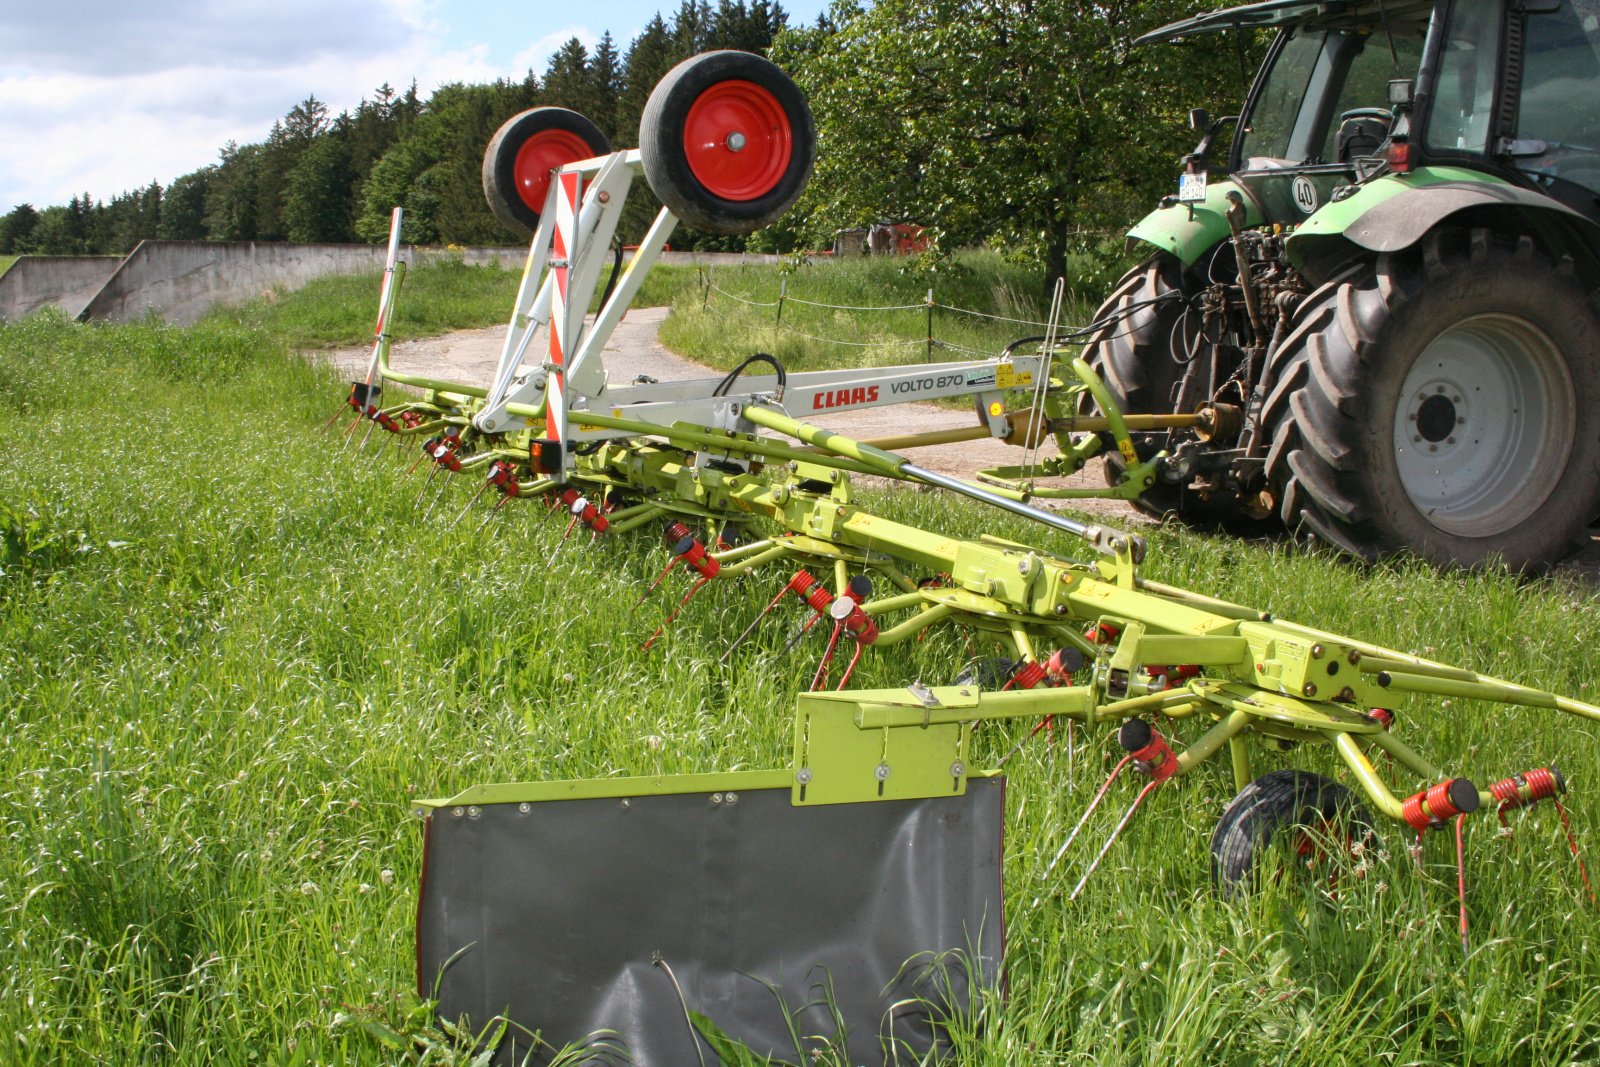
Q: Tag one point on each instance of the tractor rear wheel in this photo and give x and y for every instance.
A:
(1140, 352)
(1303, 821)
(1445, 403)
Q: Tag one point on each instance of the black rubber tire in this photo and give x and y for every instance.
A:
(1252, 829)
(667, 165)
(1335, 456)
(508, 199)
(1134, 355)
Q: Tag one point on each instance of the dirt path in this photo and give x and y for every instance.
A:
(470, 356)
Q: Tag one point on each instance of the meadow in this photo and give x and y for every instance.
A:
(231, 654)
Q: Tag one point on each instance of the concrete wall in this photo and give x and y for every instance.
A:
(181, 280)
(65, 282)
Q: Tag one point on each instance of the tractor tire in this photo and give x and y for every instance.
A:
(1285, 815)
(522, 153)
(1140, 355)
(1444, 402)
(727, 141)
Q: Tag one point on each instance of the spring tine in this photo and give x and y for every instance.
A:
(334, 417)
(652, 587)
(498, 504)
(372, 424)
(481, 490)
(431, 475)
(1095, 803)
(821, 677)
(748, 630)
(444, 484)
(1146, 791)
(348, 430)
(673, 614)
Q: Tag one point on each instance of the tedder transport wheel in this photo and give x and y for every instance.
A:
(1140, 354)
(523, 152)
(727, 141)
(1300, 819)
(1445, 403)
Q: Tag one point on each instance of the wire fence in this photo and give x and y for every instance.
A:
(933, 311)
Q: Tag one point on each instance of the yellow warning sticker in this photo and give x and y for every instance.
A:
(1006, 376)
(996, 408)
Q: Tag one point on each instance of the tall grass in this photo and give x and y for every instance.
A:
(243, 653)
(984, 302)
(5, 263)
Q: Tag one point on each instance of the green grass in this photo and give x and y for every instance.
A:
(731, 311)
(230, 656)
(5, 263)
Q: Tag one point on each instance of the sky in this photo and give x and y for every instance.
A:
(105, 96)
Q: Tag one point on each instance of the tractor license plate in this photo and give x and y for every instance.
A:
(1191, 188)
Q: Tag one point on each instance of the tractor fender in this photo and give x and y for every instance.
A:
(1396, 211)
(1187, 230)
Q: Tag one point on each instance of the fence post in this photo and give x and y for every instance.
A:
(783, 291)
(705, 289)
(928, 354)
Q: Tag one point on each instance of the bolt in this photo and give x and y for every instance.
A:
(524, 807)
(731, 798)
(474, 811)
(1347, 693)
(716, 798)
(1433, 448)
(957, 769)
(1416, 439)
(458, 812)
(626, 804)
(1061, 609)
(603, 196)
(1316, 651)
(1354, 657)
(882, 772)
(1309, 690)
(803, 775)
(736, 141)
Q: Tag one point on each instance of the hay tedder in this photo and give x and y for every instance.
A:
(870, 866)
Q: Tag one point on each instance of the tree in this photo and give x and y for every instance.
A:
(316, 202)
(183, 212)
(16, 230)
(230, 212)
(990, 120)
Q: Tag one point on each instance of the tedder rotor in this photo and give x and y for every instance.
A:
(870, 863)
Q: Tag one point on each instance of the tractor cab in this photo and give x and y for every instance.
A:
(1350, 92)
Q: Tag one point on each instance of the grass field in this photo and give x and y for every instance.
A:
(230, 655)
(5, 263)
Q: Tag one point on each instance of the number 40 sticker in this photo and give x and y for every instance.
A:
(1191, 187)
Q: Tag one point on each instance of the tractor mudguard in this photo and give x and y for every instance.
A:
(1395, 211)
(1187, 230)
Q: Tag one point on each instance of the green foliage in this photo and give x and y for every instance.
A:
(1024, 124)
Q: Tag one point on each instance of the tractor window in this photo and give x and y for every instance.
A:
(1272, 120)
(1320, 78)
(1560, 83)
(1374, 61)
(1464, 96)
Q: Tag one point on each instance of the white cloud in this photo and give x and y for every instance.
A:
(108, 97)
(537, 55)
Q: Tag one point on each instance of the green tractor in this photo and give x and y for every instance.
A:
(1387, 285)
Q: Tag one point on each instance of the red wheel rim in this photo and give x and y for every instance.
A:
(737, 140)
(541, 154)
